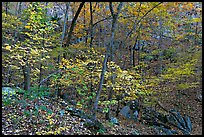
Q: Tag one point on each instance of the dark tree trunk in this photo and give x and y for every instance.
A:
(160, 47)
(19, 9)
(26, 74)
(9, 75)
(64, 29)
(131, 55)
(85, 25)
(196, 34)
(7, 7)
(73, 24)
(91, 25)
(133, 58)
(111, 47)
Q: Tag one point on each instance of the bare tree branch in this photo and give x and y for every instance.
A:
(44, 80)
(140, 21)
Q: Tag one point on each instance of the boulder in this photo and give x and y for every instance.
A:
(188, 123)
(76, 112)
(114, 120)
(94, 125)
(125, 111)
(160, 130)
(183, 123)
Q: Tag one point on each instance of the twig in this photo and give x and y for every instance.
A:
(49, 77)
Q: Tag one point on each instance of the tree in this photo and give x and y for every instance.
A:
(91, 25)
(30, 48)
(64, 27)
(100, 87)
(73, 24)
(111, 48)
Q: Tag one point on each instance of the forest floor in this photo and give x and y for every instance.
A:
(21, 120)
(186, 102)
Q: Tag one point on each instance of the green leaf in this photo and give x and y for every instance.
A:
(105, 110)
(27, 113)
(81, 72)
(49, 111)
(72, 69)
(43, 108)
(85, 87)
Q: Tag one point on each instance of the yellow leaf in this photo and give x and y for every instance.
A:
(47, 57)
(196, 20)
(38, 133)
(33, 52)
(49, 117)
(51, 122)
(58, 132)
(27, 27)
(8, 47)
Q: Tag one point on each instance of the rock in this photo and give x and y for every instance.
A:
(76, 112)
(188, 123)
(94, 125)
(135, 115)
(164, 131)
(199, 97)
(172, 119)
(180, 119)
(114, 120)
(124, 111)
(183, 123)
(61, 112)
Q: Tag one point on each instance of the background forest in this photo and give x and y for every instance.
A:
(101, 67)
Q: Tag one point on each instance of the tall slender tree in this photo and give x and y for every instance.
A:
(111, 48)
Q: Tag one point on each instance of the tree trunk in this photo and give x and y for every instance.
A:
(111, 47)
(64, 29)
(85, 25)
(9, 75)
(91, 25)
(46, 8)
(196, 34)
(100, 86)
(19, 8)
(73, 24)
(26, 74)
(138, 57)
(133, 58)
(160, 47)
(16, 12)
(7, 7)
(134, 49)
(131, 55)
